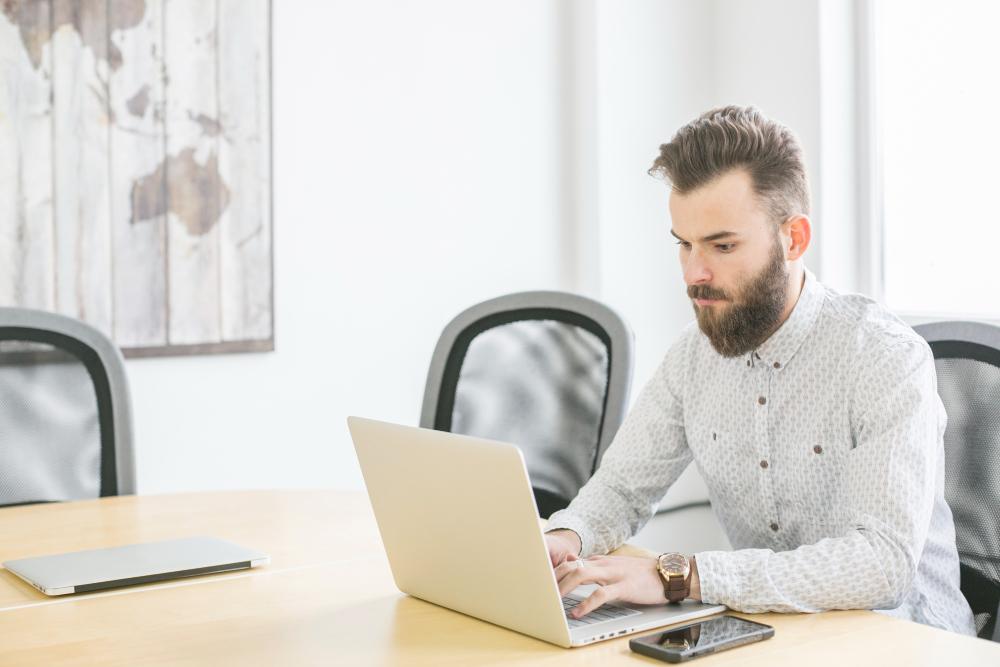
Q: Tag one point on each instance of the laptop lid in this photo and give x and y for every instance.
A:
(97, 569)
(459, 524)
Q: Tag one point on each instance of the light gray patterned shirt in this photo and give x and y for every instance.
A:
(824, 459)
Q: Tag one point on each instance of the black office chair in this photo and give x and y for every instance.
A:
(967, 358)
(65, 414)
(547, 371)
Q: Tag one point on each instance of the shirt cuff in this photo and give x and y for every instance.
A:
(563, 520)
(719, 581)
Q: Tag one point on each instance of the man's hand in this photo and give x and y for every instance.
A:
(623, 578)
(562, 545)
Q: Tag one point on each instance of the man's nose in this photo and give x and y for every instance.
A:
(696, 271)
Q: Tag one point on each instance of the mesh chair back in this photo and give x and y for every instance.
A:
(547, 371)
(967, 358)
(65, 418)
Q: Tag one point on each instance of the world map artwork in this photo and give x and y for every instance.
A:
(135, 169)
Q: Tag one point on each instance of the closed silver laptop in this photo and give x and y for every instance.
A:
(461, 530)
(98, 569)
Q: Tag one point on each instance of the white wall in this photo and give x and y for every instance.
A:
(431, 155)
(654, 73)
(416, 167)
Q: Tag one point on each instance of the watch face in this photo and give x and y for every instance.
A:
(674, 564)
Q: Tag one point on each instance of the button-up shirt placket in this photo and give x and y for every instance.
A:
(762, 443)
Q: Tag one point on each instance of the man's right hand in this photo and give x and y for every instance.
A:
(563, 544)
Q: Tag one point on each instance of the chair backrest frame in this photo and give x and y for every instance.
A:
(965, 340)
(591, 315)
(106, 367)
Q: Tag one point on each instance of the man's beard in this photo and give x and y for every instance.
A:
(752, 316)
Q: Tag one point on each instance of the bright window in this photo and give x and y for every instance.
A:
(937, 91)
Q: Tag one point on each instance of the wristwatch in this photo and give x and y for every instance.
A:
(675, 571)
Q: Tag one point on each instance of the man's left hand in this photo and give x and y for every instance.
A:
(622, 578)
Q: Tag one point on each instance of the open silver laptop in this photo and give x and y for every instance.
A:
(97, 569)
(461, 530)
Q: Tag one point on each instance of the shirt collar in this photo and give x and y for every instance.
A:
(782, 345)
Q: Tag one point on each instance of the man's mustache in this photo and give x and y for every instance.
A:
(706, 292)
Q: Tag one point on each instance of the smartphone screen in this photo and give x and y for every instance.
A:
(694, 639)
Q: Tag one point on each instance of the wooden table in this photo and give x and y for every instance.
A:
(328, 598)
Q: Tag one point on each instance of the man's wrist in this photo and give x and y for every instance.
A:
(571, 535)
(695, 587)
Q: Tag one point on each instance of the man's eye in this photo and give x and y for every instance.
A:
(725, 247)
(684, 244)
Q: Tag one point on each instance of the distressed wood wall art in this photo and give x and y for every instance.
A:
(135, 169)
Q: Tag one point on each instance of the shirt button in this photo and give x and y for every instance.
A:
(818, 449)
(761, 400)
(715, 436)
(748, 362)
(774, 526)
(777, 364)
(763, 464)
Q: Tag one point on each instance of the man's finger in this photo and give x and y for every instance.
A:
(568, 558)
(558, 557)
(565, 568)
(588, 574)
(568, 566)
(570, 581)
(594, 600)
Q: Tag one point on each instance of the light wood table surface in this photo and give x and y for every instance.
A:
(328, 598)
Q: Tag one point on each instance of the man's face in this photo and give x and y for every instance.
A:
(733, 261)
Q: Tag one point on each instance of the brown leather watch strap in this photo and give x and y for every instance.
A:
(676, 588)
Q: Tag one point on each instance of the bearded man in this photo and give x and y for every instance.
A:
(812, 416)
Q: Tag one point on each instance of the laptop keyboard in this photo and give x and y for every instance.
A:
(606, 612)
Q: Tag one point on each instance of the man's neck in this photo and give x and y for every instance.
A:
(796, 280)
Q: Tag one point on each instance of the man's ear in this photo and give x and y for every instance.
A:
(797, 233)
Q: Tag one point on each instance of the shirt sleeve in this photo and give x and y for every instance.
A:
(898, 424)
(648, 454)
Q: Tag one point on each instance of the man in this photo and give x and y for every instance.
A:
(812, 416)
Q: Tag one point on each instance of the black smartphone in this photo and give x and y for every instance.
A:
(697, 639)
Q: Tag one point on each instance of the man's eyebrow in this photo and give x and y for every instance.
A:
(711, 237)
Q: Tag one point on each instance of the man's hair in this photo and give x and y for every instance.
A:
(733, 137)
